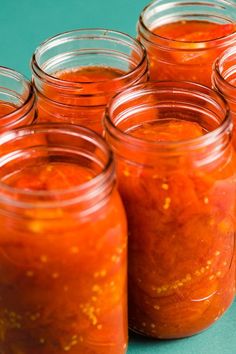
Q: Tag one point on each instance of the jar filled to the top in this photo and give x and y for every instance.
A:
(176, 176)
(183, 38)
(62, 243)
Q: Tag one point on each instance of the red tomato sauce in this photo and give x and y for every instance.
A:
(194, 31)
(89, 74)
(189, 54)
(85, 107)
(13, 116)
(63, 278)
(181, 236)
(168, 130)
(6, 108)
(50, 177)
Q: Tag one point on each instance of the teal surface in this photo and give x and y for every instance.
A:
(218, 339)
(23, 25)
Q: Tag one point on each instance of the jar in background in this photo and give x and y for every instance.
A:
(183, 38)
(62, 243)
(224, 80)
(76, 73)
(176, 175)
(17, 100)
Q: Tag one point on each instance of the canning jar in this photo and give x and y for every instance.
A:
(17, 100)
(76, 73)
(224, 80)
(176, 175)
(183, 38)
(62, 244)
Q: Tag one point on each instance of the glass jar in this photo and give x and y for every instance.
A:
(176, 175)
(62, 243)
(224, 80)
(76, 73)
(183, 38)
(17, 100)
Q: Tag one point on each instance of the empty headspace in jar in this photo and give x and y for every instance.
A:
(168, 119)
(153, 113)
(88, 48)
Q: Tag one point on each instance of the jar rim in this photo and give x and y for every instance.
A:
(167, 146)
(218, 72)
(167, 41)
(89, 33)
(94, 185)
(15, 75)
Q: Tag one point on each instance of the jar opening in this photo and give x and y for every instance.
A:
(159, 102)
(161, 13)
(84, 48)
(60, 152)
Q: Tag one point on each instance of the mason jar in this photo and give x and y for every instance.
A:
(17, 100)
(62, 244)
(183, 38)
(76, 73)
(176, 175)
(224, 80)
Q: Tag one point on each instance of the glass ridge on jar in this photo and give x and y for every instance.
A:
(183, 38)
(176, 176)
(76, 73)
(63, 244)
(224, 80)
(17, 100)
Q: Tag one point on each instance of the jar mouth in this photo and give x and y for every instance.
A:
(25, 99)
(184, 12)
(64, 197)
(217, 102)
(223, 74)
(41, 70)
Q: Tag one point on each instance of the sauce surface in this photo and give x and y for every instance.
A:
(194, 31)
(167, 130)
(12, 116)
(89, 74)
(49, 177)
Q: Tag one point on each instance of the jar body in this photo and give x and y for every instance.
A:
(223, 80)
(76, 87)
(184, 38)
(181, 229)
(17, 100)
(66, 265)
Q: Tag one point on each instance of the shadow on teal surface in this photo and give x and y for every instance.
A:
(218, 339)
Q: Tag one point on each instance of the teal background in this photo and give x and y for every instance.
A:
(26, 23)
